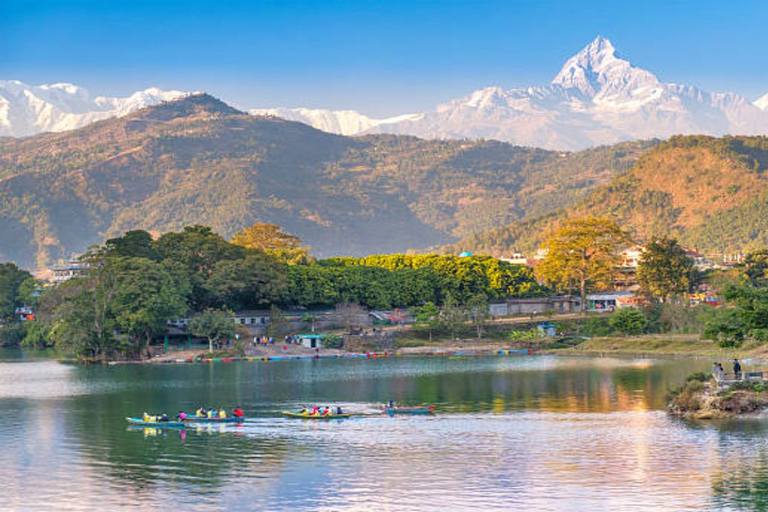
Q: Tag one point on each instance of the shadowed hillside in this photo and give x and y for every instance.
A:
(711, 193)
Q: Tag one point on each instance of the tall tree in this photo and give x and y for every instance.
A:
(664, 270)
(583, 254)
(214, 325)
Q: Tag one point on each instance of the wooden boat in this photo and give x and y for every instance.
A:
(155, 424)
(400, 409)
(308, 416)
(203, 419)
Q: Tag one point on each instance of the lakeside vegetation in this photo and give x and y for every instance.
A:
(135, 284)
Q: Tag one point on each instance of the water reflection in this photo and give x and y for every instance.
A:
(544, 433)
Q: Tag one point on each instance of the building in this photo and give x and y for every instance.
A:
(535, 306)
(606, 302)
(73, 268)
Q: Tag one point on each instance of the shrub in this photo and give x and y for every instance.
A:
(628, 321)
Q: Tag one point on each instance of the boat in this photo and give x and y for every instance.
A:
(204, 419)
(155, 424)
(401, 409)
(308, 416)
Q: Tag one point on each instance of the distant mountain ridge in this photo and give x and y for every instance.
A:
(596, 98)
(28, 109)
(196, 160)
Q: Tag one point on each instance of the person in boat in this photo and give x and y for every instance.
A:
(211, 413)
(391, 404)
(146, 417)
(338, 410)
(315, 411)
(237, 412)
(164, 417)
(181, 416)
(222, 413)
(303, 410)
(200, 413)
(326, 411)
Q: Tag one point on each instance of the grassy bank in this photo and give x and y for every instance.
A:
(666, 344)
(700, 398)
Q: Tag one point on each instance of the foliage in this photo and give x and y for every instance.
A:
(665, 270)
(525, 336)
(582, 254)
(427, 317)
(11, 280)
(477, 308)
(628, 321)
(271, 239)
(214, 325)
(333, 341)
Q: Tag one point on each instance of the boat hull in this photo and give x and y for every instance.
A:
(229, 419)
(307, 416)
(410, 410)
(138, 422)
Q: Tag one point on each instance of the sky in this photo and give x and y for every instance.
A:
(380, 58)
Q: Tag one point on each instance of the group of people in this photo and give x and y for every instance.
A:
(717, 370)
(202, 412)
(317, 411)
(154, 418)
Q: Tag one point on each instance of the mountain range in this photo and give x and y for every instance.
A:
(597, 98)
(196, 160)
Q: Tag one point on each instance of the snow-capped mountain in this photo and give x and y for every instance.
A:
(343, 122)
(596, 98)
(29, 109)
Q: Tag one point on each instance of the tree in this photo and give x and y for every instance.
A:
(272, 239)
(756, 266)
(479, 313)
(251, 282)
(147, 296)
(664, 270)
(353, 316)
(137, 243)
(277, 323)
(11, 279)
(427, 317)
(214, 325)
(452, 316)
(628, 321)
(582, 254)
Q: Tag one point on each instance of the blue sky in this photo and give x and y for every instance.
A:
(382, 58)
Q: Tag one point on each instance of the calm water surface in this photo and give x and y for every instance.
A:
(512, 433)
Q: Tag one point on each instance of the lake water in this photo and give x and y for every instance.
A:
(511, 433)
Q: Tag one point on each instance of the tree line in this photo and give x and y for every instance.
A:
(136, 283)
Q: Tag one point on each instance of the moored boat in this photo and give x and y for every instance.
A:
(309, 416)
(139, 422)
(399, 409)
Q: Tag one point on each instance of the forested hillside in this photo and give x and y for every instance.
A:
(710, 193)
(199, 161)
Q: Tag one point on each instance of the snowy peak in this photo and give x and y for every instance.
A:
(30, 109)
(597, 68)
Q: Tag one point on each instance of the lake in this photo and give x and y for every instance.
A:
(511, 433)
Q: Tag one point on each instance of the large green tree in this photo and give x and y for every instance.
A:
(664, 270)
(11, 280)
(583, 254)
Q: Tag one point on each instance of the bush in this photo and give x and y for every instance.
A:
(333, 341)
(596, 326)
(628, 321)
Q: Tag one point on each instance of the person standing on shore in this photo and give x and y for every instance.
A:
(736, 369)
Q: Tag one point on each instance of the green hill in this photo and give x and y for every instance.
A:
(199, 161)
(710, 193)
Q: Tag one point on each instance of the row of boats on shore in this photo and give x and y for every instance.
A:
(316, 413)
